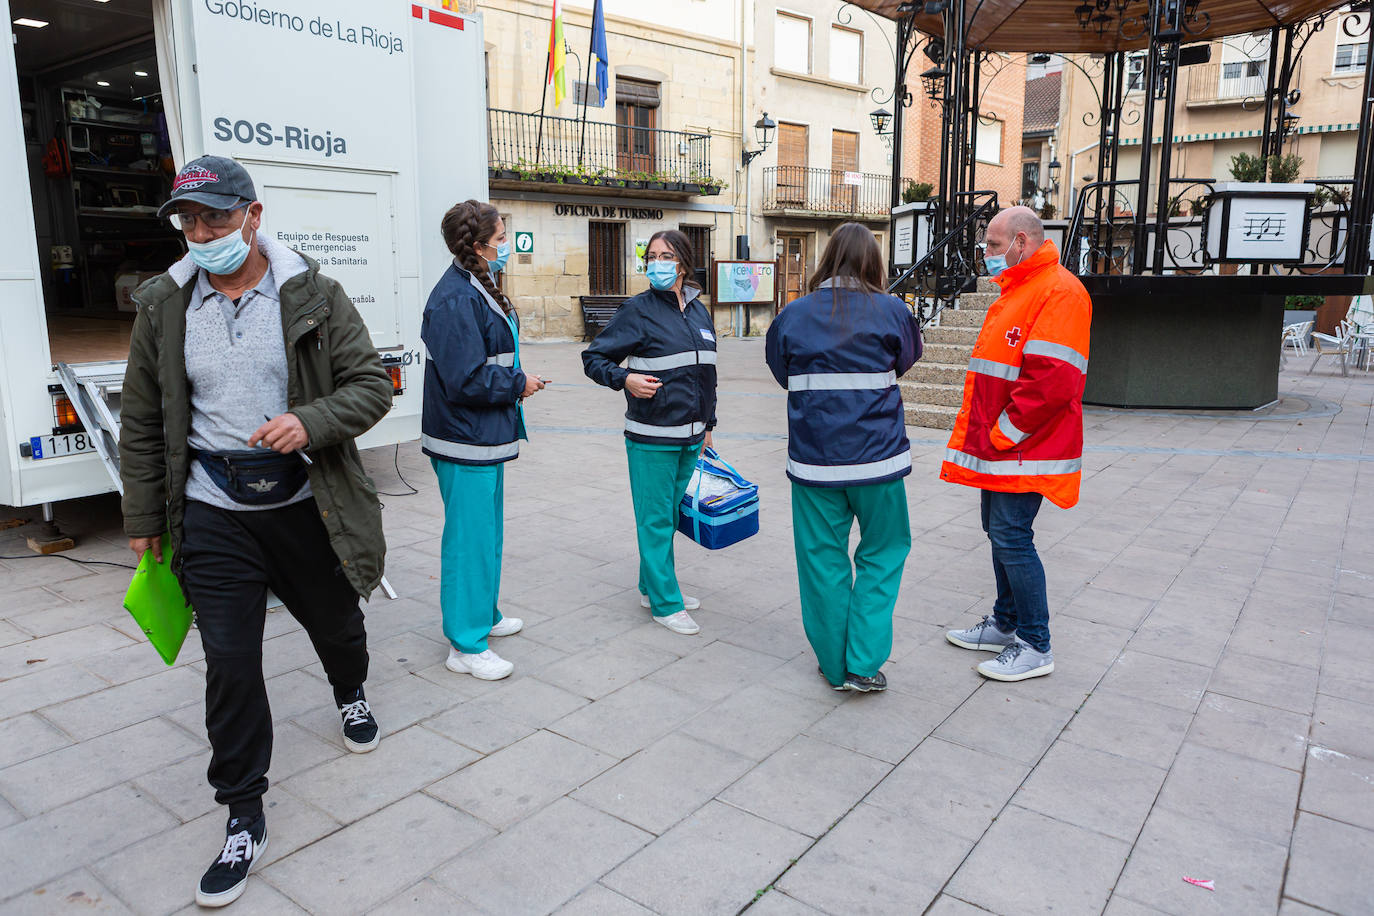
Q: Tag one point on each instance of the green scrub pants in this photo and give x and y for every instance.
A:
(470, 551)
(847, 609)
(659, 475)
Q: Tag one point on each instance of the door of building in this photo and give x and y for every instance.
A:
(793, 266)
(844, 157)
(636, 117)
(792, 164)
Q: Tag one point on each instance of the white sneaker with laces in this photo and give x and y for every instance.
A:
(508, 626)
(486, 666)
(681, 622)
(688, 602)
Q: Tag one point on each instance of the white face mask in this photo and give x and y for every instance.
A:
(222, 255)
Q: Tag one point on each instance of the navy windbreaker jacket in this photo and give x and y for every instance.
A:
(845, 425)
(652, 337)
(471, 412)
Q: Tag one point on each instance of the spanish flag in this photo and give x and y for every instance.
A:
(556, 56)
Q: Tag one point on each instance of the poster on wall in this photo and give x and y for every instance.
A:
(745, 283)
(641, 249)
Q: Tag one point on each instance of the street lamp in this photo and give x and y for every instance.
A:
(1054, 175)
(763, 132)
(880, 118)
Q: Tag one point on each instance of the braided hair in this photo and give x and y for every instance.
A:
(465, 225)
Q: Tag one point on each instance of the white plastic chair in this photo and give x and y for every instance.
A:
(1328, 345)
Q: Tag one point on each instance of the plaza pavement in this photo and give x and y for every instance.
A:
(1210, 716)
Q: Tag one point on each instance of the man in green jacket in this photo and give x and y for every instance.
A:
(250, 374)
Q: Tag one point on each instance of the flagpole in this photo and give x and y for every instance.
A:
(586, 81)
(543, 97)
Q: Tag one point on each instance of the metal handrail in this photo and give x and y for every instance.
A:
(933, 259)
(826, 191)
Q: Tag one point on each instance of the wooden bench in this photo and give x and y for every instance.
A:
(597, 312)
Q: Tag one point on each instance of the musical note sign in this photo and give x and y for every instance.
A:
(1260, 226)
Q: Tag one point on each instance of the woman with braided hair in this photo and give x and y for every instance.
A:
(471, 425)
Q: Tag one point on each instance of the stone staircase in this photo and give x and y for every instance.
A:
(934, 388)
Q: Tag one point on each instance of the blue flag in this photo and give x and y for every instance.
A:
(603, 79)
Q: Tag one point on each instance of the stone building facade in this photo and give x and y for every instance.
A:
(664, 151)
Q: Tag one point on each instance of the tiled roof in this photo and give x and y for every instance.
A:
(1042, 103)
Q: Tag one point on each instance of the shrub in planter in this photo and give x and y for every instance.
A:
(917, 192)
(1303, 303)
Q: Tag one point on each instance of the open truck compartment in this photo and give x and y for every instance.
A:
(356, 139)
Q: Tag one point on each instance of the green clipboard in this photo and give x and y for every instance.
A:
(155, 601)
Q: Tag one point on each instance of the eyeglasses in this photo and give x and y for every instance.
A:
(212, 219)
(661, 256)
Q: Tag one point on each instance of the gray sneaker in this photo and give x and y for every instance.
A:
(1017, 662)
(982, 635)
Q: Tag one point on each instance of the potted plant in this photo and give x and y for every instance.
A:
(708, 186)
(917, 192)
(571, 175)
(635, 180)
(502, 173)
(527, 171)
(653, 181)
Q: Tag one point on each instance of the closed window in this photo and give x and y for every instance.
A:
(846, 55)
(1350, 57)
(606, 258)
(636, 117)
(990, 142)
(792, 139)
(1135, 73)
(792, 43)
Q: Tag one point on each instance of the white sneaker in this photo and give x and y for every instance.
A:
(486, 666)
(688, 602)
(681, 622)
(508, 626)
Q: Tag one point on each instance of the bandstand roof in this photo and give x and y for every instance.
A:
(1051, 25)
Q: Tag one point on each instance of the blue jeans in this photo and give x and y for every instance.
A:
(1022, 605)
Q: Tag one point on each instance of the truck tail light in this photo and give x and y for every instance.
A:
(64, 415)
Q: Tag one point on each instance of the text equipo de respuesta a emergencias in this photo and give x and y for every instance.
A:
(326, 247)
(258, 14)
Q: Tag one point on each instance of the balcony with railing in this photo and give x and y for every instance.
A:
(565, 154)
(1227, 82)
(800, 191)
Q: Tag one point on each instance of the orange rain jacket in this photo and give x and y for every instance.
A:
(1020, 429)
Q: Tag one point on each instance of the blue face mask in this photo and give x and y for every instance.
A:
(502, 255)
(995, 263)
(662, 274)
(223, 255)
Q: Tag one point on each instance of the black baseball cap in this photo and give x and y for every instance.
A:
(214, 181)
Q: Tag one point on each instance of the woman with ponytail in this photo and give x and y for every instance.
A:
(471, 425)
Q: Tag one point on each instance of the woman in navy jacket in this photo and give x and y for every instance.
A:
(839, 352)
(666, 338)
(472, 423)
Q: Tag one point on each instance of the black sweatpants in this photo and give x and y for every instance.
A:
(230, 559)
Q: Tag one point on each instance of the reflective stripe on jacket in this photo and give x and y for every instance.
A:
(652, 336)
(1020, 428)
(839, 357)
(471, 412)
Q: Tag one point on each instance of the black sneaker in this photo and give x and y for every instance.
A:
(244, 844)
(865, 684)
(360, 731)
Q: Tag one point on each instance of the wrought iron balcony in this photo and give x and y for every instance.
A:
(569, 151)
(826, 192)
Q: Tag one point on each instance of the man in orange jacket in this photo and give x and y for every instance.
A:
(1019, 435)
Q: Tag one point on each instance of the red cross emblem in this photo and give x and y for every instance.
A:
(1014, 336)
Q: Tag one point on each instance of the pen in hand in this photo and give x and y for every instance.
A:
(299, 451)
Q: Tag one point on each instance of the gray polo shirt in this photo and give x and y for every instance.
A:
(236, 366)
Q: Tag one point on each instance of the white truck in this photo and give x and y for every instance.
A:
(360, 121)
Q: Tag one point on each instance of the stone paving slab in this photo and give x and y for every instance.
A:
(1210, 714)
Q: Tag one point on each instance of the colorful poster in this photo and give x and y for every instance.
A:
(745, 282)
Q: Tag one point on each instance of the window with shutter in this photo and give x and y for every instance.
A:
(606, 259)
(791, 163)
(844, 157)
(700, 239)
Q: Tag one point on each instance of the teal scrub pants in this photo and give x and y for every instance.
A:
(847, 608)
(470, 551)
(659, 475)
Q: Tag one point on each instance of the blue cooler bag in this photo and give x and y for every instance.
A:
(720, 507)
